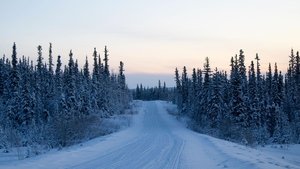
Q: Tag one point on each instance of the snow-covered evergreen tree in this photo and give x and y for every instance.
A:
(40, 106)
(257, 109)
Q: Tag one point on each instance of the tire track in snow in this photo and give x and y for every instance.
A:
(154, 147)
(155, 141)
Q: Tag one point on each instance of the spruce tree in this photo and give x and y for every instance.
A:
(252, 84)
(194, 82)
(205, 94)
(2, 77)
(178, 98)
(297, 80)
(50, 59)
(106, 68)
(216, 105)
(70, 90)
(277, 87)
(268, 86)
(239, 112)
(199, 81)
(40, 60)
(206, 72)
(242, 72)
(86, 71)
(13, 110)
(253, 99)
(184, 90)
(122, 76)
(96, 66)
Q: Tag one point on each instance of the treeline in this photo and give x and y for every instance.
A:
(153, 93)
(244, 106)
(56, 107)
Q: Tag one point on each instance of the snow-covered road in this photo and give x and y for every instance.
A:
(153, 146)
(156, 140)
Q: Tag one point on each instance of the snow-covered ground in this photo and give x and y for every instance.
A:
(157, 140)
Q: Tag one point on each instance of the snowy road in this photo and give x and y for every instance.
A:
(156, 140)
(154, 146)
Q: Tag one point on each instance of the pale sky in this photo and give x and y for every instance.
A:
(153, 37)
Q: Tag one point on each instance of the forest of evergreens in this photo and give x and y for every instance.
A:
(51, 105)
(246, 106)
(43, 106)
(160, 92)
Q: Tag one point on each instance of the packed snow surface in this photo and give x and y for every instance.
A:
(157, 140)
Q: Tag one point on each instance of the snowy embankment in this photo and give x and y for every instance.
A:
(157, 140)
